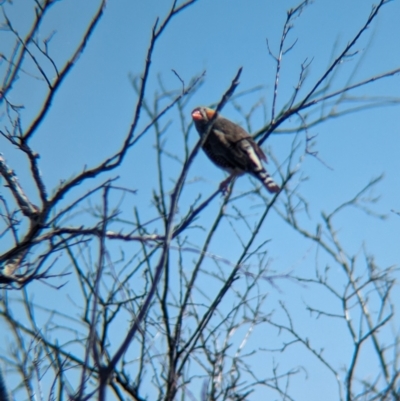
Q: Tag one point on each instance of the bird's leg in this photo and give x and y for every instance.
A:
(224, 186)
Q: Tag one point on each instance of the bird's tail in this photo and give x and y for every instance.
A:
(267, 180)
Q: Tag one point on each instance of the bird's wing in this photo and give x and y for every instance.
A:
(238, 152)
(234, 134)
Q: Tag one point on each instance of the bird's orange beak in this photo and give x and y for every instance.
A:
(196, 115)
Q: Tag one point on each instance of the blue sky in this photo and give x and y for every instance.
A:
(93, 109)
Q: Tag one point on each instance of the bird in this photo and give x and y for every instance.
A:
(231, 148)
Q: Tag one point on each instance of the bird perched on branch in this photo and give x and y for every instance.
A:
(231, 148)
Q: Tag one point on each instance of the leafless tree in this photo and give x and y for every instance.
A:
(141, 304)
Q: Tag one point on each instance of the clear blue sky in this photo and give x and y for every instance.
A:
(93, 109)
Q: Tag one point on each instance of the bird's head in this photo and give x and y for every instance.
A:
(203, 114)
(201, 117)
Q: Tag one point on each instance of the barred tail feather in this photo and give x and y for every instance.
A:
(268, 182)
